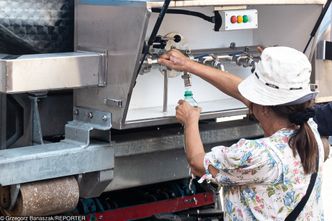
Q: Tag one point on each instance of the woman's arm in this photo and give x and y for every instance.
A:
(224, 81)
(189, 117)
(194, 148)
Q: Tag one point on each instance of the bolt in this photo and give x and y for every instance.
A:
(90, 115)
(76, 112)
(105, 118)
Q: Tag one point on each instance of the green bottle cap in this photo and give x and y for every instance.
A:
(188, 93)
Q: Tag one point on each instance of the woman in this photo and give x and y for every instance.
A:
(263, 179)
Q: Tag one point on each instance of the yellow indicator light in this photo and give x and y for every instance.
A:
(239, 19)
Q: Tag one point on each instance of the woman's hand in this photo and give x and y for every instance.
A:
(187, 114)
(260, 49)
(176, 60)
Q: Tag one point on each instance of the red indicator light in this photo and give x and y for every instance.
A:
(233, 19)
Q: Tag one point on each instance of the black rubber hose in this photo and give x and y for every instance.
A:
(154, 33)
(318, 22)
(187, 12)
(158, 22)
(216, 19)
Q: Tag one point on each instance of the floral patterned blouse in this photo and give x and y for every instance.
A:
(263, 181)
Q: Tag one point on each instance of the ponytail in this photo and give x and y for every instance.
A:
(303, 141)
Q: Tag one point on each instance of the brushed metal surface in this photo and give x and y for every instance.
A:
(49, 71)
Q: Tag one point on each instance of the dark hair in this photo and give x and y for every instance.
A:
(303, 141)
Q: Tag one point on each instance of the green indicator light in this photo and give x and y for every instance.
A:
(245, 18)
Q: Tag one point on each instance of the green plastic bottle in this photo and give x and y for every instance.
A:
(188, 96)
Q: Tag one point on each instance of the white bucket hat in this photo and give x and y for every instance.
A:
(282, 76)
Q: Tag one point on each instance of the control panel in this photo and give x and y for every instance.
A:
(239, 19)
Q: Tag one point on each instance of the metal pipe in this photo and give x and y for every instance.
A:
(47, 197)
(186, 79)
(204, 58)
(37, 135)
(165, 98)
(206, 55)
